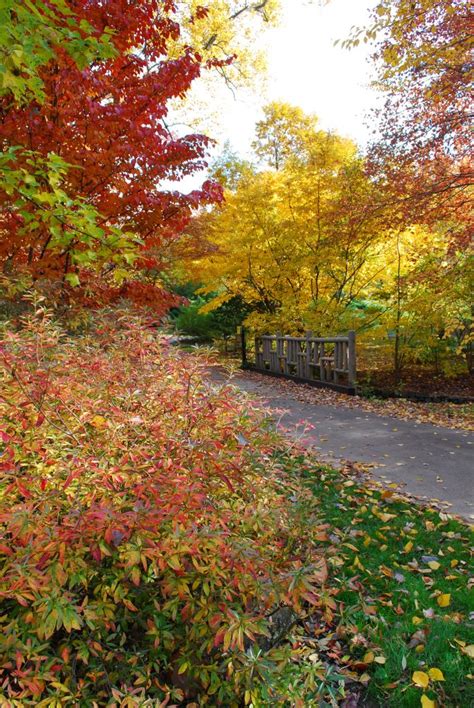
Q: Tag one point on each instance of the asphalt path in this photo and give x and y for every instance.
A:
(429, 461)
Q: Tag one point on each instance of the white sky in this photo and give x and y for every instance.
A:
(307, 70)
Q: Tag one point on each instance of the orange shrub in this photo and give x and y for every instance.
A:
(146, 531)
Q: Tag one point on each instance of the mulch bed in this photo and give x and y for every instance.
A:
(422, 383)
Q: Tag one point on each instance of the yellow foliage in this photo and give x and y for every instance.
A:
(278, 231)
(228, 30)
(309, 244)
(420, 679)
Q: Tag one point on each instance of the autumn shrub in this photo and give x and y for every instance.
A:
(147, 533)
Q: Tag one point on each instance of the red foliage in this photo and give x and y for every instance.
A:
(146, 529)
(423, 145)
(109, 121)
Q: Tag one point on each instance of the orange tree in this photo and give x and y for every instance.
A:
(422, 148)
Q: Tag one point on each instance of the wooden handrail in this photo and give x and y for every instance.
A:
(327, 360)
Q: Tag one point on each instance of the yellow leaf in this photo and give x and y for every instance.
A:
(408, 546)
(60, 687)
(469, 650)
(183, 668)
(380, 659)
(173, 562)
(454, 563)
(444, 600)
(417, 620)
(369, 657)
(386, 517)
(420, 679)
(420, 648)
(435, 674)
(434, 565)
(98, 421)
(427, 702)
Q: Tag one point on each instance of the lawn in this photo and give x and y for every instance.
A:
(404, 624)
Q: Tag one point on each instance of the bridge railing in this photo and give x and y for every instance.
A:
(321, 361)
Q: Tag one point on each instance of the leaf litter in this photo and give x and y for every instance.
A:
(396, 618)
(447, 415)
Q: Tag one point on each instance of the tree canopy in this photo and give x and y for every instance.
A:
(85, 145)
(312, 240)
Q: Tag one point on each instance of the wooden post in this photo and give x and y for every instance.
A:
(258, 358)
(243, 341)
(335, 373)
(279, 352)
(309, 369)
(352, 362)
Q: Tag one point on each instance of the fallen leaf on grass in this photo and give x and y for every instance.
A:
(420, 679)
(434, 565)
(435, 674)
(444, 600)
(427, 702)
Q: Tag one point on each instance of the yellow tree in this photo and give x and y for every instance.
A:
(293, 240)
(225, 30)
(310, 241)
(423, 311)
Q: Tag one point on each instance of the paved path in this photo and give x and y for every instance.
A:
(431, 462)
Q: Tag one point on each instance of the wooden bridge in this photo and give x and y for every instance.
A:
(319, 361)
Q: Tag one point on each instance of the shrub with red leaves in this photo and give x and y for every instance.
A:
(146, 529)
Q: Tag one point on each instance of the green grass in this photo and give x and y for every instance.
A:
(385, 585)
